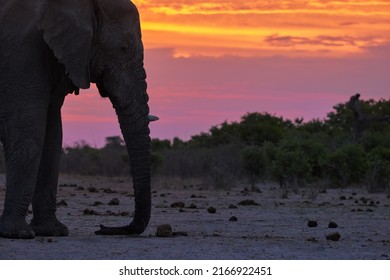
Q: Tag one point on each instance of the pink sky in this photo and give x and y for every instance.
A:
(289, 75)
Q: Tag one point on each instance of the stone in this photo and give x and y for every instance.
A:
(178, 205)
(312, 224)
(332, 225)
(333, 236)
(114, 201)
(62, 203)
(248, 202)
(164, 230)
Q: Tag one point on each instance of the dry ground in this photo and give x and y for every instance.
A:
(277, 228)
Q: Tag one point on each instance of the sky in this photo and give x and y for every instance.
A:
(213, 61)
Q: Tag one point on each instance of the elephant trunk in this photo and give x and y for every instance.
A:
(136, 136)
(127, 92)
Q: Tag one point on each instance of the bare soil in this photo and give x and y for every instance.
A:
(271, 224)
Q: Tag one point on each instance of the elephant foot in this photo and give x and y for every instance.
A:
(125, 230)
(49, 227)
(15, 229)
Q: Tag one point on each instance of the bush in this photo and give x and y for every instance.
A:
(378, 170)
(291, 167)
(347, 165)
(254, 163)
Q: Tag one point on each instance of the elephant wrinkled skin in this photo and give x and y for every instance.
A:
(49, 49)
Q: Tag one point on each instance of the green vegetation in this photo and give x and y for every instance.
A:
(261, 147)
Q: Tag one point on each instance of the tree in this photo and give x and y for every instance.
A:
(254, 164)
(347, 165)
(378, 169)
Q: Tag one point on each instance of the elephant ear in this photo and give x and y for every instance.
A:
(67, 27)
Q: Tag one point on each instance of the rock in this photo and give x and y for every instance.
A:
(178, 205)
(97, 203)
(333, 236)
(332, 225)
(248, 202)
(90, 212)
(343, 197)
(114, 201)
(79, 188)
(62, 203)
(192, 206)
(107, 190)
(312, 224)
(233, 219)
(312, 239)
(164, 230)
(93, 190)
(232, 206)
(212, 210)
(179, 233)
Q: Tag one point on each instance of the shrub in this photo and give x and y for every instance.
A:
(254, 163)
(378, 169)
(347, 165)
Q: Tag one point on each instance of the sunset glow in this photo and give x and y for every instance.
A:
(262, 28)
(211, 61)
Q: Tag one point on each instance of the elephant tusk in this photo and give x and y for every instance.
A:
(153, 118)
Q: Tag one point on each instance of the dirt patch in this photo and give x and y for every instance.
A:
(275, 227)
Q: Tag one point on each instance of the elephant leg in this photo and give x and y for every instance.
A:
(22, 140)
(45, 222)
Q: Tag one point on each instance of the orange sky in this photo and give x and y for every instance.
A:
(263, 28)
(211, 61)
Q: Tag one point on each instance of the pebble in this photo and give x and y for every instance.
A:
(248, 202)
(62, 203)
(334, 236)
(312, 224)
(114, 201)
(90, 212)
(93, 190)
(164, 230)
(178, 205)
(332, 225)
(97, 203)
(233, 219)
(192, 206)
(211, 210)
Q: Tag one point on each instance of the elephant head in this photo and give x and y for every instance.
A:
(99, 41)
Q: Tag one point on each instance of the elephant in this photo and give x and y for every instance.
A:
(49, 49)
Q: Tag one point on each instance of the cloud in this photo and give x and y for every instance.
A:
(332, 41)
(186, 7)
(255, 28)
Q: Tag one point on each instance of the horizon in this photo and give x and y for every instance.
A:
(208, 62)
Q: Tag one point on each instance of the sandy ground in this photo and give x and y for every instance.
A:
(276, 228)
